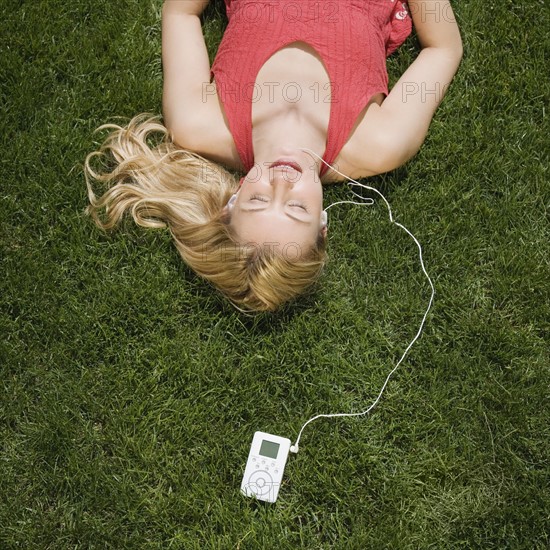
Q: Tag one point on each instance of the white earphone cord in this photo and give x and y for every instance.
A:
(352, 182)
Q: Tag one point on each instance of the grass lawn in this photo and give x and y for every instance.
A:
(130, 391)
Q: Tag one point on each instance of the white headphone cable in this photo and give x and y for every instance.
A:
(295, 448)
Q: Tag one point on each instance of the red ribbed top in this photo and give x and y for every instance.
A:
(352, 38)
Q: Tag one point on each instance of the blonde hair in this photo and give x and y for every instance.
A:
(163, 185)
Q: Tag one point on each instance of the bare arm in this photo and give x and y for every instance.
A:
(412, 102)
(393, 133)
(185, 64)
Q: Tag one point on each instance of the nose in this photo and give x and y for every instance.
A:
(286, 177)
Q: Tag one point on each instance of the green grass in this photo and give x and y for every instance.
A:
(131, 391)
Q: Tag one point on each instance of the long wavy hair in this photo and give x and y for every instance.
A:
(162, 185)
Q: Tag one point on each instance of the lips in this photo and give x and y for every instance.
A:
(284, 163)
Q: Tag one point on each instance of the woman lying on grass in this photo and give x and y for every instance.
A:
(293, 82)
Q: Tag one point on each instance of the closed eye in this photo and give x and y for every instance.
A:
(301, 206)
(294, 204)
(258, 198)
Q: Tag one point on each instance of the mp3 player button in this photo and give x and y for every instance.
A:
(260, 484)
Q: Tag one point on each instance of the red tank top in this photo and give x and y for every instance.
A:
(352, 38)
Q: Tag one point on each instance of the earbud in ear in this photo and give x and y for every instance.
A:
(232, 200)
(324, 218)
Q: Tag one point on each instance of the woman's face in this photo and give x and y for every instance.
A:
(279, 206)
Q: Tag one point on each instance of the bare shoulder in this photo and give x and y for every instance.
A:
(368, 151)
(192, 115)
(207, 133)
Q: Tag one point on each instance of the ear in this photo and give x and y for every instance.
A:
(226, 210)
(324, 221)
(231, 202)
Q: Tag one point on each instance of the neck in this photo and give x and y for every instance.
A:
(285, 136)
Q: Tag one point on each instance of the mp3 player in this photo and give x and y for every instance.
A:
(265, 466)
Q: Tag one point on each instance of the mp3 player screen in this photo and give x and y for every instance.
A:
(269, 449)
